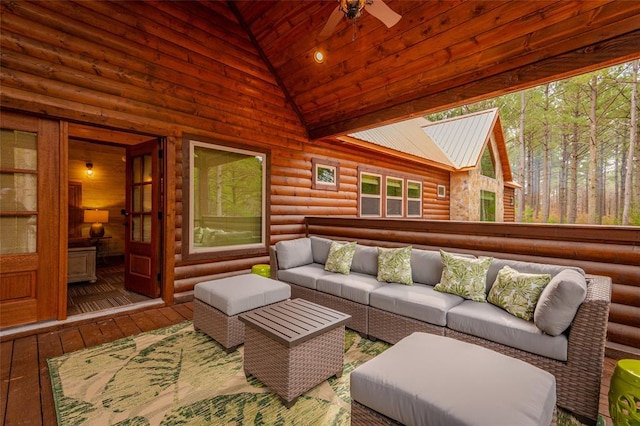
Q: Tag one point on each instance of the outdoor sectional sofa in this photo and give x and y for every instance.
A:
(390, 311)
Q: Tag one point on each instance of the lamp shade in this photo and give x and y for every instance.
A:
(96, 216)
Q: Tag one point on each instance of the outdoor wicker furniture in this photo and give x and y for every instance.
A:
(433, 380)
(294, 345)
(217, 304)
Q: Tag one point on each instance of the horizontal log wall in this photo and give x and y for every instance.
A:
(613, 251)
(164, 69)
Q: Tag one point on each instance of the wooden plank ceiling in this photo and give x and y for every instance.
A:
(440, 54)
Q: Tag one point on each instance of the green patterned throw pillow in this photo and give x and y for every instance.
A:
(464, 276)
(517, 292)
(394, 265)
(340, 257)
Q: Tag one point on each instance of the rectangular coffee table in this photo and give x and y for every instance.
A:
(293, 346)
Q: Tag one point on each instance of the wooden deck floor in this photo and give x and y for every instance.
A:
(24, 373)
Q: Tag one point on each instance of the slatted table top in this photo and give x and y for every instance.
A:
(294, 321)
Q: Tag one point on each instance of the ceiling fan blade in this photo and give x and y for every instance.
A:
(380, 10)
(333, 20)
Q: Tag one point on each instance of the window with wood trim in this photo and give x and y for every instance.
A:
(226, 196)
(395, 197)
(487, 206)
(326, 174)
(370, 194)
(414, 198)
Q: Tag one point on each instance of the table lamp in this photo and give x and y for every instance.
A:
(96, 218)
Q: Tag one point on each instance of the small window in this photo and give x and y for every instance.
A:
(487, 165)
(326, 174)
(487, 206)
(442, 191)
(226, 199)
(414, 198)
(395, 197)
(370, 194)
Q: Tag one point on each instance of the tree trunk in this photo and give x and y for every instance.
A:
(523, 155)
(546, 176)
(572, 196)
(562, 179)
(592, 187)
(632, 143)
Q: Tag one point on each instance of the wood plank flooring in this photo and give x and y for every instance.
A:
(24, 374)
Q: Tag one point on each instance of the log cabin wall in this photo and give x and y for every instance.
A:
(612, 251)
(163, 69)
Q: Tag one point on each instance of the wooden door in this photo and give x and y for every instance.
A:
(142, 242)
(30, 240)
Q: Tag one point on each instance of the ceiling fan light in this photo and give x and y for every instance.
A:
(352, 8)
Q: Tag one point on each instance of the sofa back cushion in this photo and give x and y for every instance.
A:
(365, 260)
(292, 253)
(320, 248)
(524, 267)
(560, 301)
(426, 266)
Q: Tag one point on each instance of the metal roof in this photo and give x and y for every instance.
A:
(405, 136)
(456, 142)
(462, 139)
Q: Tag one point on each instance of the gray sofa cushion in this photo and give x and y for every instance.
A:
(426, 266)
(365, 260)
(419, 302)
(426, 379)
(241, 293)
(560, 301)
(526, 267)
(492, 323)
(320, 248)
(292, 253)
(305, 276)
(355, 287)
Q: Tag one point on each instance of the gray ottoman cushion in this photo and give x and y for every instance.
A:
(433, 380)
(241, 293)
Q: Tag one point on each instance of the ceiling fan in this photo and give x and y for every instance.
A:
(352, 9)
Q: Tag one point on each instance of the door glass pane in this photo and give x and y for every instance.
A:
(17, 234)
(137, 169)
(146, 198)
(137, 199)
(146, 229)
(147, 172)
(19, 150)
(18, 191)
(135, 227)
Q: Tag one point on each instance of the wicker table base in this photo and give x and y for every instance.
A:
(300, 361)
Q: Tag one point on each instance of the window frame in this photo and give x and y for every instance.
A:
(482, 209)
(317, 164)
(419, 200)
(189, 252)
(361, 195)
(401, 198)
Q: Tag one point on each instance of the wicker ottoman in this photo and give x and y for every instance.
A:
(434, 380)
(218, 303)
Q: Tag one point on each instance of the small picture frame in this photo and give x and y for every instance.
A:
(442, 191)
(326, 174)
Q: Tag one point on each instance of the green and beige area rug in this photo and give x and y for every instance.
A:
(177, 376)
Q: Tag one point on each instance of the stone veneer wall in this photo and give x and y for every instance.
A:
(465, 190)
